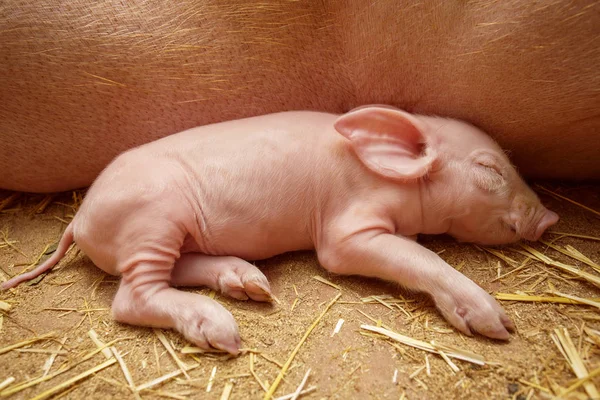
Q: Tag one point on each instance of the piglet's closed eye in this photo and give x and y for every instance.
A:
(389, 142)
(487, 171)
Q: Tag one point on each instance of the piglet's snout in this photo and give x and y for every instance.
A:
(547, 219)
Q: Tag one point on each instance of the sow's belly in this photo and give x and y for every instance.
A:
(122, 76)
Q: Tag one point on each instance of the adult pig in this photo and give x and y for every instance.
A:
(190, 208)
(81, 81)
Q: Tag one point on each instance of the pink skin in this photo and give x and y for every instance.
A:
(188, 209)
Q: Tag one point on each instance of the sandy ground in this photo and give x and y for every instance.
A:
(351, 364)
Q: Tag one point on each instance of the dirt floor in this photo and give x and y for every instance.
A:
(351, 364)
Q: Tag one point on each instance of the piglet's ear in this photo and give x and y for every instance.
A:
(389, 142)
(487, 170)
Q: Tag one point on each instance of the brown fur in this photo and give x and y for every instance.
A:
(80, 82)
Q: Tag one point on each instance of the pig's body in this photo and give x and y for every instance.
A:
(247, 188)
(82, 81)
(190, 208)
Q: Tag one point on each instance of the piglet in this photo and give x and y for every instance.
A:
(193, 208)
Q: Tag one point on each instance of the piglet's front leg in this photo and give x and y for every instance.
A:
(380, 254)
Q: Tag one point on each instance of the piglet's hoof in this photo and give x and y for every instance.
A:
(210, 325)
(251, 284)
(474, 310)
(231, 276)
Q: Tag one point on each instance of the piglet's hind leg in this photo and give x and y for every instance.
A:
(145, 298)
(230, 275)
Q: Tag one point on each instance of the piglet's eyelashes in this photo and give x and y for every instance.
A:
(487, 171)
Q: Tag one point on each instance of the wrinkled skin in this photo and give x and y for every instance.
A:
(82, 81)
(191, 208)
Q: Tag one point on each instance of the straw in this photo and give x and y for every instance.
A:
(450, 351)
(26, 342)
(562, 339)
(325, 281)
(58, 388)
(287, 364)
(569, 200)
(227, 391)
